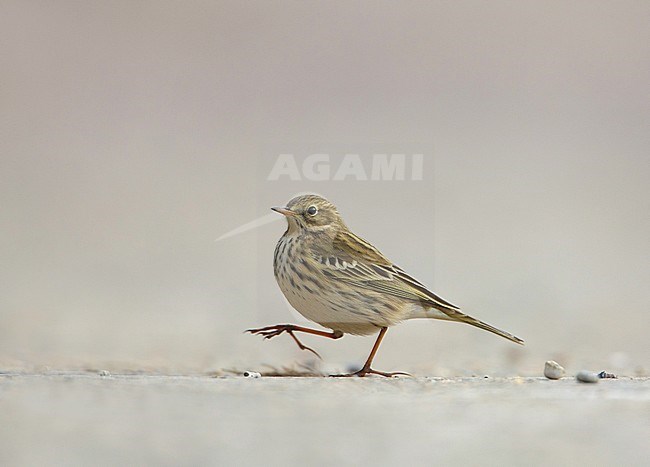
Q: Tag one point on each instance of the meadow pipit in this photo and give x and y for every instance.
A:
(343, 283)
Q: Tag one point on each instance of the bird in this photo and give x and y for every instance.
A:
(342, 282)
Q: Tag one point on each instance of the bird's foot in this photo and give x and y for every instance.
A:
(272, 331)
(369, 371)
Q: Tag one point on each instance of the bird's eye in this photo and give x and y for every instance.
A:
(312, 210)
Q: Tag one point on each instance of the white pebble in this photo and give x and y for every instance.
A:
(585, 376)
(553, 370)
(252, 374)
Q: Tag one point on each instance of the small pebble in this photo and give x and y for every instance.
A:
(585, 376)
(553, 370)
(104, 373)
(605, 375)
(252, 374)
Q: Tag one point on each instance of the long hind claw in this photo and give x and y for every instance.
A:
(271, 331)
(303, 346)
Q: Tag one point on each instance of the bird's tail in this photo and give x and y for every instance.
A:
(456, 315)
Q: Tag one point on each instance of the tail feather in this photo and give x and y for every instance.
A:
(457, 315)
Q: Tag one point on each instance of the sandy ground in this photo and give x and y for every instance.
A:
(146, 419)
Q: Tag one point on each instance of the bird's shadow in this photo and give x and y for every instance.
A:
(309, 369)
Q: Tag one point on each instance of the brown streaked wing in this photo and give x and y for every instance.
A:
(350, 247)
(418, 285)
(360, 264)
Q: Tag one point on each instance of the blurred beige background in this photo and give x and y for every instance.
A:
(132, 135)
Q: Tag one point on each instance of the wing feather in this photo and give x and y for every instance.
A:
(361, 265)
(358, 263)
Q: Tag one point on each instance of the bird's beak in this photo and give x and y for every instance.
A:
(284, 211)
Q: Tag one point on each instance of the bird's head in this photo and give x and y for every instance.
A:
(311, 212)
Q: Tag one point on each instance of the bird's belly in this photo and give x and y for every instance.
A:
(337, 307)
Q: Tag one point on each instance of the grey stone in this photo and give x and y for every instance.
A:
(585, 376)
